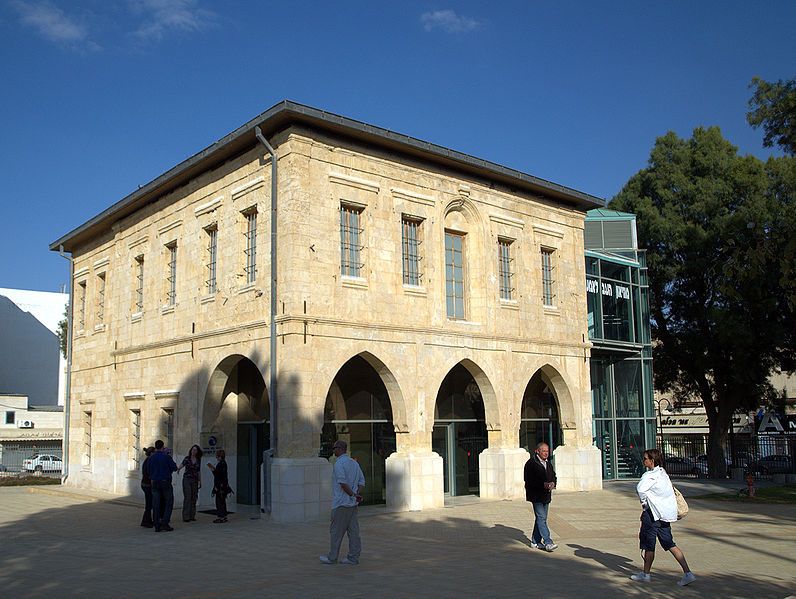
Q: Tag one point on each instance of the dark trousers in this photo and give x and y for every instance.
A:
(147, 518)
(190, 493)
(221, 505)
(162, 502)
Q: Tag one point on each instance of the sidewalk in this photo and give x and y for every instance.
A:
(65, 544)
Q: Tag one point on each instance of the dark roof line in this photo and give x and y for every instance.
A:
(280, 116)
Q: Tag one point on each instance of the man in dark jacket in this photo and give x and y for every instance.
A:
(160, 468)
(540, 480)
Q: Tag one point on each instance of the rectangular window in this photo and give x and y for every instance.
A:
(171, 275)
(87, 422)
(101, 298)
(81, 306)
(167, 431)
(454, 275)
(139, 285)
(10, 418)
(250, 253)
(506, 269)
(135, 438)
(350, 241)
(410, 244)
(548, 280)
(212, 256)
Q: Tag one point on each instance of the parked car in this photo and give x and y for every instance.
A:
(2, 468)
(775, 464)
(702, 463)
(678, 465)
(42, 463)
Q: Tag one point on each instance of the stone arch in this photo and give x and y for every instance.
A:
(488, 395)
(223, 381)
(396, 397)
(467, 209)
(566, 406)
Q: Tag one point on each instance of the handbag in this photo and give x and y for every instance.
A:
(682, 505)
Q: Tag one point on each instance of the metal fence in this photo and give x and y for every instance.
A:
(765, 456)
(24, 458)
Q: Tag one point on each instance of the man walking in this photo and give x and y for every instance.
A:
(540, 480)
(348, 482)
(160, 468)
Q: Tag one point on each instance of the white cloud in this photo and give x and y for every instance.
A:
(50, 21)
(448, 21)
(162, 16)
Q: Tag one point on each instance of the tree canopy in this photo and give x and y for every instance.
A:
(773, 106)
(718, 228)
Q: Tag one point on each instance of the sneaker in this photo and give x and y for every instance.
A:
(641, 577)
(550, 547)
(325, 560)
(349, 562)
(219, 521)
(687, 578)
(534, 545)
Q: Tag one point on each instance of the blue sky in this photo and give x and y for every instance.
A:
(100, 96)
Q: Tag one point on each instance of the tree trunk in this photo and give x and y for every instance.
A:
(719, 413)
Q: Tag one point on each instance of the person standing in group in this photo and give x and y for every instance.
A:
(161, 466)
(658, 509)
(348, 483)
(540, 480)
(220, 486)
(146, 487)
(191, 482)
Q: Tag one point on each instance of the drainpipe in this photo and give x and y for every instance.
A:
(68, 386)
(272, 395)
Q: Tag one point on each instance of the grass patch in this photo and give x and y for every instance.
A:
(779, 495)
(26, 481)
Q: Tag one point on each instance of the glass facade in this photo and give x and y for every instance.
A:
(621, 361)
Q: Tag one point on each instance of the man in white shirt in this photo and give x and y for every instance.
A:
(347, 477)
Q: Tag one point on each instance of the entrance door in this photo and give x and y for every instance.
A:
(459, 444)
(252, 441)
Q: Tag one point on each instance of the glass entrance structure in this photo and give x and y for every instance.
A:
(619, 327)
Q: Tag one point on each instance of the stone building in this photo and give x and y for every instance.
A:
(430, 310)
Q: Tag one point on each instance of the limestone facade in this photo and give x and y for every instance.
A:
(163, 353)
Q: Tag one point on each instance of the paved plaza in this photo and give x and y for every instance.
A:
(58, 543)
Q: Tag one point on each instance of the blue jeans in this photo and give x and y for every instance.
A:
(162, 502)
(541, 534)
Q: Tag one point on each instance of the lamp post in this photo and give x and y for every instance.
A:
(658, 403)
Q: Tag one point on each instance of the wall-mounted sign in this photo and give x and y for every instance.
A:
(211, 442)
(609, 289)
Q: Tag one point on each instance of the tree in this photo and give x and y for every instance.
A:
(714, 226)
(63, 331)
(773, 106)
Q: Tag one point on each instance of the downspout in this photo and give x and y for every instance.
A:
(272, 392)
(68, 386)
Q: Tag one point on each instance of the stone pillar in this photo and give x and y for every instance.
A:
(301, 489)
(414, 481)
(578, 468)
(501, 473)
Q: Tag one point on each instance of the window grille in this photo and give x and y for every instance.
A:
(87, 422)
(168, 428)
(410, 243)
(81, 313)
(454, 275)
(171, 275)
(139, 284)
(350, 241)
(506, 269)
(250, 253)
(135, 437)
(101, 298)
(548, 280)
(212, 249)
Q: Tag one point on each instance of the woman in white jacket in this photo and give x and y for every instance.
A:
(659, 508)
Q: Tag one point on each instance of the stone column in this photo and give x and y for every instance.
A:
(414, 481)
(501, 473)
(301, 489)
(578, 468)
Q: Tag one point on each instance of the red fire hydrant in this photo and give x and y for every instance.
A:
(750, 485)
